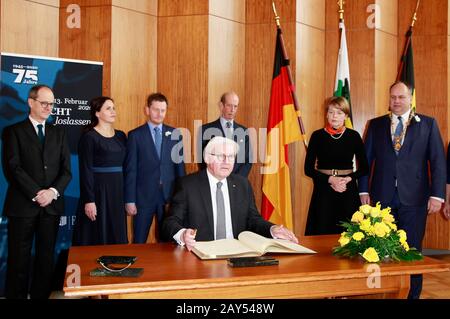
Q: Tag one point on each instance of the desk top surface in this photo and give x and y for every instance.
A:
(167, 265)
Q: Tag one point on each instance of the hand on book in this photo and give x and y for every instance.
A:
(280, 232)
(188, 238)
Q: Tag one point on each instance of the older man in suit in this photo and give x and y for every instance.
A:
(218, 205)
(402, 149)
(37, 166)
(226, 126)
(153, 162)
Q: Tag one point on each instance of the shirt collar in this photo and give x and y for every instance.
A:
(223, 122)
(35, 123)
(212, 180)
(405, 116)
(152, 126)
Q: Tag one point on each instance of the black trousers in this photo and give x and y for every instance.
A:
(21, 233)
(412, 219)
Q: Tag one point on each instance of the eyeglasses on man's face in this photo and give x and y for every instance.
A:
(45, 103)
(222, 157)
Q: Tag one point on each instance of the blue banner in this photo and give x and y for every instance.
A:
(74, 84)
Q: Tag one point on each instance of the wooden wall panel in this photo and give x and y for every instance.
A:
(143, 6)
(230, 9)
(260, 11)
(226, 64)
(430, 60)
(310, 84)
(90, 42)
(133, 64)
(183, 72)
(33, 31)
(182, 7)
(386, 64)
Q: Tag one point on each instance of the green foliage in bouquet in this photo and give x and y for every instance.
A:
(372, 233)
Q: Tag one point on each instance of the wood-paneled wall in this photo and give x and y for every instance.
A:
(30, 27)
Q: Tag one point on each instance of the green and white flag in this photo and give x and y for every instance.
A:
(342, 86)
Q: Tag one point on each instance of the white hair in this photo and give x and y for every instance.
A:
(219, 140)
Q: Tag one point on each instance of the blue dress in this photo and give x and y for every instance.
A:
(101, 181)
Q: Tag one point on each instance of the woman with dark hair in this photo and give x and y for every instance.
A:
(101, 216)
(329, 162)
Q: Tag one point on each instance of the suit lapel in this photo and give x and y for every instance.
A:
(232, 189)
(218, 125)
(149, 141)
(205, 194)
(30, 131)
(411, 131)
(387, 136)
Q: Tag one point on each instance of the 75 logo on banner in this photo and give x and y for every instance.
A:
(26, 76)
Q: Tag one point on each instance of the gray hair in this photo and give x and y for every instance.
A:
(219, 140)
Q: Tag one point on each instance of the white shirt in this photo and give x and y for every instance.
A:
(395, 121)
(35, 124)
(228, 131)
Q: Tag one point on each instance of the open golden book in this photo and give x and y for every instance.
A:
(248, 244)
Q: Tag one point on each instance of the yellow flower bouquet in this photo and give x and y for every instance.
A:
(372, 234)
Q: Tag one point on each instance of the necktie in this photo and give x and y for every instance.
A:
(41, 133)
(229, 130)
(158, 141)
(220, 225)
(398, 135)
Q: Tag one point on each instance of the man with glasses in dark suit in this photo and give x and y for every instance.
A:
(36, 163)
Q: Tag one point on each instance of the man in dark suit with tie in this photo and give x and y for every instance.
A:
(226, 126)
(36, 161)
(216, 204)
(153, 162)
(402, 149)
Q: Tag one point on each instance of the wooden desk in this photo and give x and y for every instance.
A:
(173, 272)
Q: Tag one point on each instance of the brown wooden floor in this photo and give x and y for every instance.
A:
(437, 286)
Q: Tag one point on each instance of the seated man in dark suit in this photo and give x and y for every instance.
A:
(218, 205)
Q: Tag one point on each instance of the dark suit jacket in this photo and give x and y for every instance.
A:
(243, 162)
(422, 146)
(30, 167)
(192, 208)
(144, 170)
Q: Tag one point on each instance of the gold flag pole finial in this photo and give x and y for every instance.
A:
(414, 18)
(341, 10)
(277, 18)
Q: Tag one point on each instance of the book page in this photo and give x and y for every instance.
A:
(223, 248)
(264, 245)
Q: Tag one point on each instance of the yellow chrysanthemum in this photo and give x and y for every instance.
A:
(344, 241)
(357, 217)
(365, 225)
(402, 234)
(379, 229)
(392, 226)
(375, 211)
(358, 236)
(370, 254)
(365, 209)
(405, 245)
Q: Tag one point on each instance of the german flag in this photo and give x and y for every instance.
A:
(406, 67)
(282, 129)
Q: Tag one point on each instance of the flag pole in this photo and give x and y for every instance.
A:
(291, 82)
(408, 40)
(341, 10)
